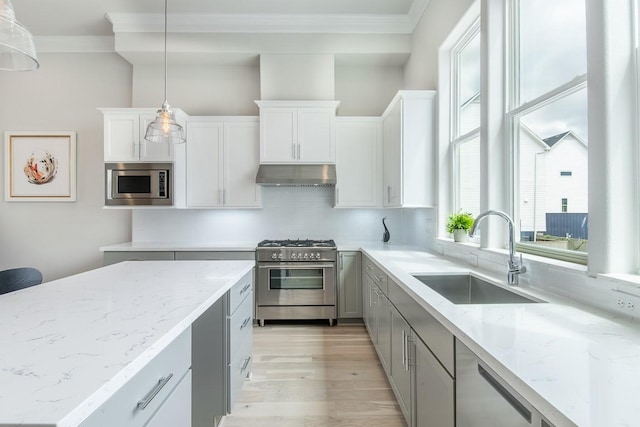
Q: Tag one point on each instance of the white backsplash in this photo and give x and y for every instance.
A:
(287, 213)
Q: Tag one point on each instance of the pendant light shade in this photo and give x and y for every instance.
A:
(17, 51)
(165, 129)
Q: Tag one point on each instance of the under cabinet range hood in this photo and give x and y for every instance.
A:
(298, 174)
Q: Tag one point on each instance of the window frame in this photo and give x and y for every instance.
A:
(514, 111)
(456, 139)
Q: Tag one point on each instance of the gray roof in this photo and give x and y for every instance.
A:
(552, 140)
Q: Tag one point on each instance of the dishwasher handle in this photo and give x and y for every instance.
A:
(506, 395)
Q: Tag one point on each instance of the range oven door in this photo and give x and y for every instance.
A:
(296, 284)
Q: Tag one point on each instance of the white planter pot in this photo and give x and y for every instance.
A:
(460, 236)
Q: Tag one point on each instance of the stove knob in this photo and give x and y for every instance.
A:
(274, 255)
(306, 256)
(280, 255)
(317, 255)
(293, 255)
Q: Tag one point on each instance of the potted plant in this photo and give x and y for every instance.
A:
(459, 225)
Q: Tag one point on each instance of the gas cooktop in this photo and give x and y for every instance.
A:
(298, 243)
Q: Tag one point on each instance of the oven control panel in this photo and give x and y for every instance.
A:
(286, 254)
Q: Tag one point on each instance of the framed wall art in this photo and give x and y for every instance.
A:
(40, 166)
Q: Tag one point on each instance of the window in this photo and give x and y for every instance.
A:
(547, 118)
(465, 121)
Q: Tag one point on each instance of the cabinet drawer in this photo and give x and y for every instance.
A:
(176, 410)
(240, 325)
(435, 336)
(239, 369)
(239, 291)
(376, 273)
(160, 376)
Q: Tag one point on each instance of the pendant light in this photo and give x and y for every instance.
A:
(164, 129)
(17, 51)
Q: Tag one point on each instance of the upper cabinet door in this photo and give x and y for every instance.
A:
(204, 164)
(316, 137)
(358, 162)
(297, 131)
(409, 162)
(241, 160)
(121, 137)
(124, 130)
(278, 135)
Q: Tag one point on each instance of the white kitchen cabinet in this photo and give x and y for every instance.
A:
(124, 130)
(358, 162)
(297, 131)
(408, 147)
(349, 286)
(222, 162)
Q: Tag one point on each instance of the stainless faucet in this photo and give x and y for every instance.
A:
(515, 265)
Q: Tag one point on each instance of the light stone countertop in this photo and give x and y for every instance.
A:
(67, 345)
(576, 365)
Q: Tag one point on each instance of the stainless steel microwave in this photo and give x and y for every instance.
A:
(139, 184)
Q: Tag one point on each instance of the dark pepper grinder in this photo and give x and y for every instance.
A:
(386, 235)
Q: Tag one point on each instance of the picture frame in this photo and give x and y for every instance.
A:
(40, 166)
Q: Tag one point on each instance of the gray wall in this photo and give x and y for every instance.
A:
(63, 238)
(421, 71)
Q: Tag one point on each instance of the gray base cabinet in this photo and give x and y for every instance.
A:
(349, 285)
(222, 353)
(485, 400)
(433, 389)
(400, 377)
(416, 351)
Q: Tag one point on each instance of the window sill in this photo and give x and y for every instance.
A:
(549, 262)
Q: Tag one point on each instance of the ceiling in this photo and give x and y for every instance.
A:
(225, 31)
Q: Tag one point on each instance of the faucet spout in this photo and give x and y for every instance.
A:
(515, 265)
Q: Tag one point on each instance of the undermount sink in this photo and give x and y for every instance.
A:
(468, 289)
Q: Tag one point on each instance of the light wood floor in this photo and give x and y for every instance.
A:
(312, 376)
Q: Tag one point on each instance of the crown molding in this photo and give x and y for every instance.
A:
(74, 44)
(272, 23)
(417, 10)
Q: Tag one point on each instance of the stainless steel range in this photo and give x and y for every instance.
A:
(296, 280)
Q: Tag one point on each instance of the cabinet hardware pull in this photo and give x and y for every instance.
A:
(380, 278)
(246, 287)
(408, 351)
(341, 263)
(299, 151)
(404, 350)
(245, 323)
(293, 150)
(337, 196)
(388, 194)
(369, 267)
(246, 363)
(502, 391)
(142, 404)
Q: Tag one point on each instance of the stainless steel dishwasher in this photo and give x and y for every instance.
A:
(485, 400)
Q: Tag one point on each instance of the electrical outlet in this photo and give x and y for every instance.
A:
(620, 302)
(630, 305)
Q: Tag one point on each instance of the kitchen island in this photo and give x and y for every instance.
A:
(69, 345)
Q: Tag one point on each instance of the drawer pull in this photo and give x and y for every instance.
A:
(380, 278)
(246, 363)
(246, 287)
(511, 399)
(142, 404)
(245, 323)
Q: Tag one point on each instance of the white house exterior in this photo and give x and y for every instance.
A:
(553, 177)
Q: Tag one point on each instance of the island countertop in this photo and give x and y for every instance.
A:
(68, 345)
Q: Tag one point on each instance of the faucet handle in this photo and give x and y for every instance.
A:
(521, 266)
